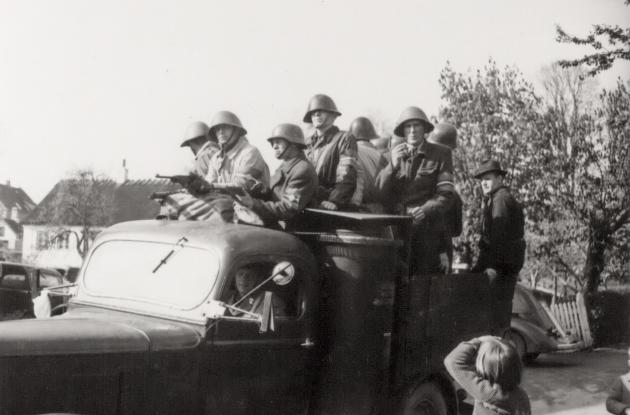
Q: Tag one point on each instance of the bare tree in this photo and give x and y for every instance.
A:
(83, 200)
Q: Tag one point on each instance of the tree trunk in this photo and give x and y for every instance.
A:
(595, 255)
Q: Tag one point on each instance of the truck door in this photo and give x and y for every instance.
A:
(459, 311)
(15, 294)
(254, 372)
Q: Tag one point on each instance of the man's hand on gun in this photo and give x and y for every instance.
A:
(198, 186)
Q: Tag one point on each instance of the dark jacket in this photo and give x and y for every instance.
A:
(424, 179)
(490, 399)
(293, 187)
(501, 246)
(335, 159)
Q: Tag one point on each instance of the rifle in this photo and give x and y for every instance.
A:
(197, 185)
(183, 180)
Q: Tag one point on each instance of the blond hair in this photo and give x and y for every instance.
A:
(499, 362)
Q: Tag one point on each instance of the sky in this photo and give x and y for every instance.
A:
(86, 84)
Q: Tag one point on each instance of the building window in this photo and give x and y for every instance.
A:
(14, 214)
(42, 240)
(61, 241)
(1, 231)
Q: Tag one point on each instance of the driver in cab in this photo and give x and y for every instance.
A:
(246, 279)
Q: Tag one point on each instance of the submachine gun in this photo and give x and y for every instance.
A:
(198, 186)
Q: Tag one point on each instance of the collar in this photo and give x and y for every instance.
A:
(204, 147)
(287, 165)
(423, 148)
(328, 135)
(492, 193)
(237, 147)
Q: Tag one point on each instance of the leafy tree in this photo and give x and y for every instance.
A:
(82, 200)
(610, 42)
(494, 111)
(589, 191)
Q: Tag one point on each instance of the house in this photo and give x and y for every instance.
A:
(15, 205)
(55, 244)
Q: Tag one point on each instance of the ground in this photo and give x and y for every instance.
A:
(572, 383)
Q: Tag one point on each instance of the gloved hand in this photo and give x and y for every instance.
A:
(328, 205)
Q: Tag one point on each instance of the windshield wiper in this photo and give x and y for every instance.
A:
(179, 244)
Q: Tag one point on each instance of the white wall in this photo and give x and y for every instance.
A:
(54, 256)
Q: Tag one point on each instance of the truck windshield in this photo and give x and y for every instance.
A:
(124, 270)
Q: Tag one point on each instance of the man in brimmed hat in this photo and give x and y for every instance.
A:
(501, 246)
(333, 153)
(419, 182)
(198, 140)
(293, 185)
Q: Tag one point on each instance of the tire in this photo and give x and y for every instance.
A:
(530, 357)
(426, 399)
(519, 343)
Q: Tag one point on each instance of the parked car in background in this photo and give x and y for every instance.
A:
(531, 329)
(20, 284)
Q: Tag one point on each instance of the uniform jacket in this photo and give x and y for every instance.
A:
(423, 179)
(293, 187)
(619, 397)
(335, 158)
(501, 246)
(242, 165)
(490, 399)
(371, 162)
(203, 156)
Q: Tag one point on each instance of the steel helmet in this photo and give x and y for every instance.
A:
(412, 113)
(381, 143)
(320, 102)
(362, 129)
(444, 134)
(195, 130)
(290, 132)
(227, 118)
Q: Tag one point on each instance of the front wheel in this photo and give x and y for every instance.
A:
(426, 399)
(519, 343)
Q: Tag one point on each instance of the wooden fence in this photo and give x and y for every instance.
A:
(570, 318)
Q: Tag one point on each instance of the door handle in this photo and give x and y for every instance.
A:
(307, 343)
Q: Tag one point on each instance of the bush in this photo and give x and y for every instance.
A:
(610, 313)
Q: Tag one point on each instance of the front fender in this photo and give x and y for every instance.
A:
(537, 340)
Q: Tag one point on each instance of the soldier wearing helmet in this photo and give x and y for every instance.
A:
(333, 153)
(237, 162)
(293, 185)
(445, 134)
(197, 138)
(419, 182)
(370, 162)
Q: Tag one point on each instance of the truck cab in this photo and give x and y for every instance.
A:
(151, 328)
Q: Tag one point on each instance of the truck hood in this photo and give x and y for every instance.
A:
(96, 331)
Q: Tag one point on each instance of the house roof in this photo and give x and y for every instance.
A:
(15, 197)
(130, 201)
(15, 227)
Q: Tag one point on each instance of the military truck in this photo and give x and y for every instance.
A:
(151, 331)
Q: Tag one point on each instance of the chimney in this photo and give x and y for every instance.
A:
(124, 173)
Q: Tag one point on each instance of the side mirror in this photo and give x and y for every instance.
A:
(283, 273)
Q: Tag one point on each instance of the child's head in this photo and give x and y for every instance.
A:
(499, 362)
